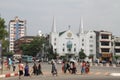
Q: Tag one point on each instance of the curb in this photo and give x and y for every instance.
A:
(115, 74)
(8, 75)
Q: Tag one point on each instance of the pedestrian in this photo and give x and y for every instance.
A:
(65, 67)
(39, 71)
(13, 65)
(71, 67)
(83, 67)
(63, 64)
(26, 70)
(74, 68)
(21, 68)
(9, 63)
(87, 68)
(54, 68)
(34, 69)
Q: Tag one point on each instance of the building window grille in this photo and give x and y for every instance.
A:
(105, 50)
(105, 36)
(105, 43)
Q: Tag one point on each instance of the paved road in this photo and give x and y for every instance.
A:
(66, 77)
(97, 73)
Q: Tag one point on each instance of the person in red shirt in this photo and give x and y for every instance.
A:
(83, 67)
(21, 68)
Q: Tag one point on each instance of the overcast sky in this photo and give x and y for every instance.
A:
(96, 14)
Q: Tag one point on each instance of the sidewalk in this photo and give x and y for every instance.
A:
(8, 73)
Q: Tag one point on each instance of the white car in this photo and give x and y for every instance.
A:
(59, 62)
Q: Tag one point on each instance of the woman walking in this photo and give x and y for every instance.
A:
(26, 70)
(39, 71)
(87, 68)
(21, 67)
(54, 68)
(34, 69)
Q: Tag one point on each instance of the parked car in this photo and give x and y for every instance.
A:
(59, 61)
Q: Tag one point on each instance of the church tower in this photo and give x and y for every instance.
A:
(54, 26)
(81, 26)
(54, 36)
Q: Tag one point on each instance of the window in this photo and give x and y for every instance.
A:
(74, 44)
(82, 44)
(91, 45)
(74, 49)
(82, 40)
(105, 43)
(91, 51)
(117, 50)
(55, 50)
(104, 36)
(91, 36)
(63, 44)
(69, 49)
(55, 39)
(105, 50)
(63, 49)
(117, 43)
(91, 41)
(54, 43)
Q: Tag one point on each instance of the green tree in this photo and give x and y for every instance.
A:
(3, 35)
(34, 47)
(51, 54)
(117, 57)
(8, 54)
(82, 55)
(3, 32)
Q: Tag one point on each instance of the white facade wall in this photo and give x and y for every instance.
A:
(90, 44)
(62, 44)
(83, 41)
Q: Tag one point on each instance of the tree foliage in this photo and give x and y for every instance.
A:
(82, 55)
(51, 54)
(117, 57)
(3, 32)
(3, 35)
(34, 47)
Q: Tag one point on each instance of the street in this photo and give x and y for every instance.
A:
(66, 77)
(97, 73)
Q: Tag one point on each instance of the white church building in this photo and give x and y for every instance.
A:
(67, 43)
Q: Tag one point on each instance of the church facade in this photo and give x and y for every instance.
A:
(68, 43)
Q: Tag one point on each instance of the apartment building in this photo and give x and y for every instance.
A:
(104, 45)
(20, 41)
(17, 29)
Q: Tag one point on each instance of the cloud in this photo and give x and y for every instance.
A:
(97, 14)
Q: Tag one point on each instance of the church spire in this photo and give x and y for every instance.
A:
(53, 26)
(81, 26)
